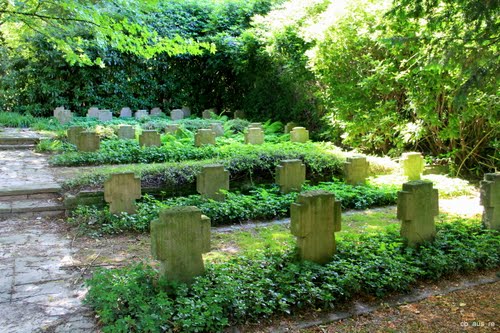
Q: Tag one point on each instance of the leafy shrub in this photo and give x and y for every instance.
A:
(248, 288)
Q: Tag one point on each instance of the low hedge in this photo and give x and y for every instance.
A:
(245, 289)
(261, 203)
(245, 163)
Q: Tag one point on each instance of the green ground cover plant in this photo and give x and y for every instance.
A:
(258, 285)
(259, 204)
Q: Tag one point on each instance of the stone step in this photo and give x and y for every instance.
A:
(18, 141)
(17, 147)
(38, 191)
(32, 207)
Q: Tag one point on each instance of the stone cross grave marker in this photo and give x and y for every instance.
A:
(93, 112)
(88, 141)
(490, 200)
(125, 112)
(299, 134)
(217, 128)
(176, 114)
(126, 132)
(149, 139)
(315, 218)
(212, 179)
(289, 127)
(140, 114)
(254, 136)
(290, 175)
(173, 129)
(418, 204)
(239, 114)
(105, 115)
(187, 111)
(156, 112)
(412, 164)
(120, 191)
(178, 239)
(356, 170)
(204, 137)
(73, 133)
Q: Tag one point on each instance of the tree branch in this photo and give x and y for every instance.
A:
(47, 17)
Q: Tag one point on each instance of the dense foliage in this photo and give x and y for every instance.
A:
(376, 75)
(252, 287)
(259, 204)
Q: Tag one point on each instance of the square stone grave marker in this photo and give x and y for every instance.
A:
(73, 133)
(150, 139)
(105, 115)
(88, 141)
(412, 164)
(126, 132)
(140, 114)
(299, 134)
(212, 179)
(176, 114)
(204, 137)
(125, 112)
(254, 136)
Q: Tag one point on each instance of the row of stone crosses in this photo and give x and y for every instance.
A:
(89, 141)
(65, 116)
(181, 235)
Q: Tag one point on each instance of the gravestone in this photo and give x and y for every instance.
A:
(210, 180)
(217, 128)
(290, 175)
(120, 191)
(254, 136)
(239, 115)
(88, 141)
(125, 112)
(126, 132)
(73, 133)
(156, 112)
(207, 114)
(204, 137)
(299, 134)
(172, 129)
(315, 218)
(63, 116)
(490, 200)
(105, 115)
(150, 139)
(140, 114)
(255, 125)
(176, 114)
(412, 165)
(178, 239)
(187, 111)
(289, 127)
(356, 170)
(57, 111)
(93, 112)
(418, 204)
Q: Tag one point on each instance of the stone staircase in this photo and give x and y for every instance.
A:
(31, 200)
(13, 143)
